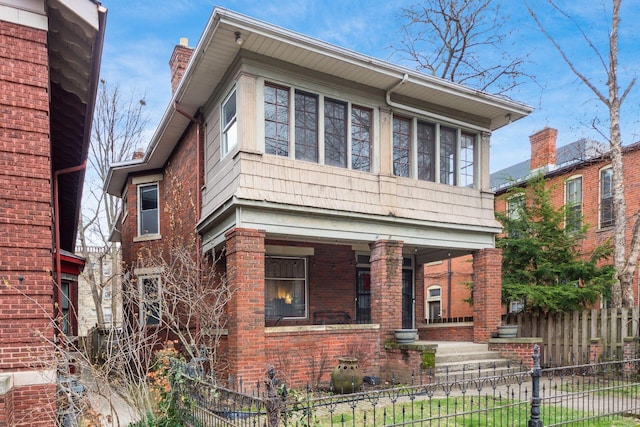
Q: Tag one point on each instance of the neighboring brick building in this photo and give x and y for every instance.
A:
(49, 60)
(580, 174)
(327, 179)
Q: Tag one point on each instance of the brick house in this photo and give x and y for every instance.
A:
(580, 174)
(326, 178)
(49, 60)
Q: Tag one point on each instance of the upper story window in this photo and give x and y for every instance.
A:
(229, 123)
(573, 204)
(276, 120)
(440, 154)
(401, 146)
(306, 109)
(361, 123)
(426, 151)
(148, 212)
(515, 206)
(607, 218)
(334, 145)
(467, 159)
(335, 133)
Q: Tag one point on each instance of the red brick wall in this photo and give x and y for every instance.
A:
(25, 215)
(461, 272)
(446, 332)
(487, 291)
(308, 357)
(386, 286)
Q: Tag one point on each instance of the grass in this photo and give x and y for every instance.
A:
(452, 412)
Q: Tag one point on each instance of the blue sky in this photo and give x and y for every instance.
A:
(141, 35)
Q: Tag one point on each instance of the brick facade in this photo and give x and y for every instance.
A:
(386, 286)
(25, 214)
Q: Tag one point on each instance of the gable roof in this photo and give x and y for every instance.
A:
(217, 49)
(567, 156)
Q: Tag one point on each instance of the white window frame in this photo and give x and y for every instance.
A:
(600, 172)
(321, 96)
(139, 209)
(571, 203)
(228, 129)
(430, 299)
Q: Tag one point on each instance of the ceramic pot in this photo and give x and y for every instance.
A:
(507, 331)
(346, 377)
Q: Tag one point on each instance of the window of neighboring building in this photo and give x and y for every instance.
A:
(106, 292)
(276, 120)
(150, 300)
(66, 307)
(361, 122)
(434, 302)
(148, 213)
(229, 123)
(448, 158)
(426, 151)
(515, 205)
(335, 133)
(516, 306)
(467, 159)
(573, 204)
(285, 287)
(607, 218)
(306, 109)
(107, 314)
(401, 146)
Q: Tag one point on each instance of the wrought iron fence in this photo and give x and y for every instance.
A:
(571, 395)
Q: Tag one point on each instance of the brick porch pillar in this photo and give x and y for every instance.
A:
(245, 271)
(487, 293)
(386, 286)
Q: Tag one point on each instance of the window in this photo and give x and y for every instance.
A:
(306, 126)
(516, 306)
(401, 146)
(515, 205)
(607, 218)
(467, 154)
(573, 205)
(434, 302)
(148, 219)
(229, 123)
(361, 121)
(66, 307)
(276, 120)
(426, 151)
(106, 292)
(335, 133)
(285, 287)
(150, 308)
(448, 155)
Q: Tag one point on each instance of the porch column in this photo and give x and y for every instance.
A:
(245, 272)
(386, 286)
(487, 293)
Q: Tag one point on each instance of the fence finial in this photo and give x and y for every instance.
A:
(534, 420)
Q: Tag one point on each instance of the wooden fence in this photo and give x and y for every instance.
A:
(567, 336)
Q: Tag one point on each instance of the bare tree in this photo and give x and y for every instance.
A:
(624, 263)
(461, 41)
(117, 130)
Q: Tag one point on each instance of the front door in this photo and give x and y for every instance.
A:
(407, 298)
(363, 295)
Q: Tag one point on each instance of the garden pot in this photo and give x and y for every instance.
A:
(346, 377)
(507, 331)
(405, 336)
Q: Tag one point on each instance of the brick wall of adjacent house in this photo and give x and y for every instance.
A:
(460, 274)
(25, 214)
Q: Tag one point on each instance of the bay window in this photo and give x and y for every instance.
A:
(229, 123)
(401, 146)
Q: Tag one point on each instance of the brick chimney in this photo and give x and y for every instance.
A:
(178, 62)
(543, 148)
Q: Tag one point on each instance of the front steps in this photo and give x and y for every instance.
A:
(455, 361)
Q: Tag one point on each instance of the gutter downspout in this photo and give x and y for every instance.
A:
(425, 113)
(198, 202)
(56, 225)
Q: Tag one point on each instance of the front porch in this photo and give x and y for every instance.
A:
(302, 305)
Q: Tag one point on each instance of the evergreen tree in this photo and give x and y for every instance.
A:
(541, 264)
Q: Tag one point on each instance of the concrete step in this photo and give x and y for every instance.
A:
(461, 357)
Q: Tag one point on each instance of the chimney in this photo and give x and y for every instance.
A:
(178, 62)
(138, 154)
(543, 148)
